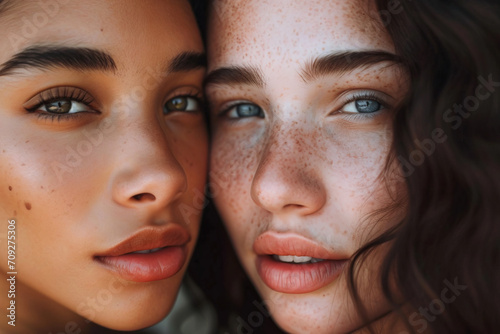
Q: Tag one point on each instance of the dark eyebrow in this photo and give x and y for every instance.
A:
(235, 75)
(188, 61)
(343, 62)
(339, 63)
(50, 57)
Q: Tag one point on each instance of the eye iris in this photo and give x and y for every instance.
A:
(367, 106)
(59, 107)
(247, 110)
(179, 103)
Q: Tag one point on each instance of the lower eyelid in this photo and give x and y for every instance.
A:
(58, 117)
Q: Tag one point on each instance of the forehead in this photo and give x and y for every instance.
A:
(248, 30)
(121, 27)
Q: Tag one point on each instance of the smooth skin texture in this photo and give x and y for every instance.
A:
(144, 171)
(291, 151)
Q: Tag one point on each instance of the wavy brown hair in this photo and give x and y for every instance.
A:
(447, 140)
(451, 233)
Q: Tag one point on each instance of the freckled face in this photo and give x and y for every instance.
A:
(90, 157)
(300, 139)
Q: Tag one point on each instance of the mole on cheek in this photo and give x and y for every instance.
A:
(10, 188)
(27, 205)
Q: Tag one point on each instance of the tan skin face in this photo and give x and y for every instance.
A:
(140, 161)
(292, 154)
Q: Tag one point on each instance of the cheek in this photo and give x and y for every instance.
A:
(354, 175)
(41, 185)
(38, 179)
(356, 161)
(47, 209)
(234, 159)
(191, 152)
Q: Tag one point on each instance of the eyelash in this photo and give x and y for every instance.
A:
(229, 107)
(362, 96)
(78, 95)
(352, 116)
(60, 93)
(194, 94)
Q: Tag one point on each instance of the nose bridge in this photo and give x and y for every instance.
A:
(143, 138)
(286, 176)
(147, 170)
(285, 143)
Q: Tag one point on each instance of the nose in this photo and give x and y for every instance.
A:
(286, 179)
(148, 174)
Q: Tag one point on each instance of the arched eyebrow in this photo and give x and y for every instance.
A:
(235, 75)
(333, 63)
(343, 62)
(51, 57)
(188, 61)
(86, 59)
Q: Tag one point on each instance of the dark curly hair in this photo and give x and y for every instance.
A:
(447, 140)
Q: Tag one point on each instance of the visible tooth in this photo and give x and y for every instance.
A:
(147, 251)
(141, 252)
(301, 259)
(316, 260)
(286, 258)
(296, 259)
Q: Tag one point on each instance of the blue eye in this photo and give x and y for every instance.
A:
(362, 106)
(365, 106)
(182, 103)
(245, 110)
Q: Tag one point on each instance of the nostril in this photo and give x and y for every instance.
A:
(293, 206)
(144, 197)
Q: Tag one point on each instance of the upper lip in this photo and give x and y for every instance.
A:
(275, 243)
(150, 238)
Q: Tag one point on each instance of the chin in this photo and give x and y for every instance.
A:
(128, 320)
(325, 311)
(139, 310)
(296, 322)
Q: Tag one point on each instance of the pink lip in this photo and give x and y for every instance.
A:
(158, 265)
(290, 277)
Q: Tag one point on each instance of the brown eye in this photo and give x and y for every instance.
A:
(58, 107)
(61, 102)
(181, 103)
(61, 107)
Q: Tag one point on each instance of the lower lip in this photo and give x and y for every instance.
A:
(298, 278)
(147, 267)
